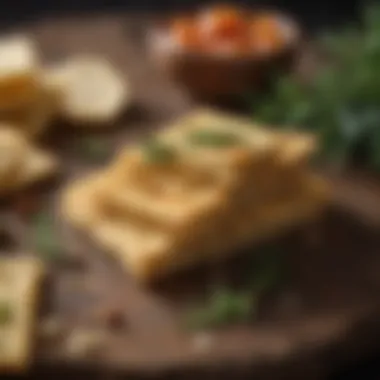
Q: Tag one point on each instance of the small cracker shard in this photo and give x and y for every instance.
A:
(20, 284)
(85, 342)
(22, 164)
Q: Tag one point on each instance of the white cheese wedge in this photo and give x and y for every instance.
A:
(20, 281)
(93, 91)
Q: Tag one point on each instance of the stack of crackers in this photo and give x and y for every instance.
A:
(199, 189)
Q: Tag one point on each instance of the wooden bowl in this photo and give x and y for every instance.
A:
(215, 76)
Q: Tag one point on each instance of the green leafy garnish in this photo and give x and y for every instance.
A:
(227, 306)
(211, 138)
(224, 306)
(342, 102)
(6, 314)
(157, 152)
(45, 239)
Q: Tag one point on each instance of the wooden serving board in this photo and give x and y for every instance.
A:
(325, 315)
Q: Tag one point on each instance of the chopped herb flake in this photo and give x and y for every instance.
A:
(226, 306)
(158, 152)
(45, 239)
(95, 149)
(5, 313)
(213, 138)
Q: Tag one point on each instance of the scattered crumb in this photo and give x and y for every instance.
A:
(289, 303)
(51, 328)
(85, 342)
(112, 317)
(26, 206)
(7, 241)
(202, 342)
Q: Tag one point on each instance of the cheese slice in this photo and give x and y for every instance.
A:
(20, 280)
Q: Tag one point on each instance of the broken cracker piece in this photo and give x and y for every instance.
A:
(12, 153)
(20, 281)
(24, 164)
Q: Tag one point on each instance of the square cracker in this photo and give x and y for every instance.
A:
(173, 195)
(289, 147)
(218, 242)
(262, 153)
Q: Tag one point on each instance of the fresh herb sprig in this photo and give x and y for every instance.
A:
(209, 138)
(157, 152)
(226, 306)
(342, 102)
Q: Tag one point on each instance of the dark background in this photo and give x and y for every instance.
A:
(313, 15)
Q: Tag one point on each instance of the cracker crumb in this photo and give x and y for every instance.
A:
(85, 342)
(51, 328)
(203, 342)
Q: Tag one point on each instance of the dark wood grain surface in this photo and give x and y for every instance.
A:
(325, 315)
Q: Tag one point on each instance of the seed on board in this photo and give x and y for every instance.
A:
(85, 342)
(112, 317)
(202, 342)
(51, 328)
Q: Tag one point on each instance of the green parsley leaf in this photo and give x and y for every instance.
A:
(340, 103)
(158, 152)
(6, 314)
(224, 307)
(210, 138)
